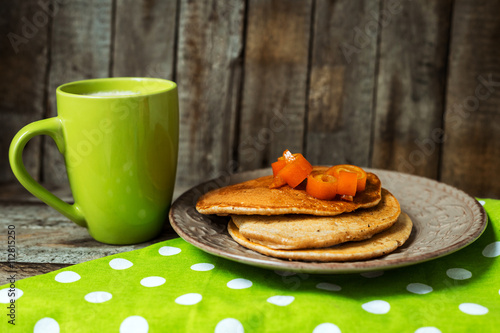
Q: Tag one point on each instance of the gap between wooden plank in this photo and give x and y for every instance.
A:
(445, 89)
(375, 86)
(308, 75)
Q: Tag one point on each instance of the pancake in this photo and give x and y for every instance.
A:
(307, 231)
(254, 197)
(379, 245)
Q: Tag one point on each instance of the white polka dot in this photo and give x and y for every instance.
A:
(239, 284)
(326, 328)
(427, 329)
(419, 288)
(281, 300)
(7, 294)
(169, 250)
(119, 263)
(67, 277)
(46, 325)
(152, 281)
(328, 286)
(371, 275)
(473, 309)
(482, 202)
(202, 267)
(134, 324)
(229, 325)
(188, 299)
(377, 307)
(98, 297)
(492, 250)
(459, 274)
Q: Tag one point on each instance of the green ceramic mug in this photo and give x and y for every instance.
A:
(119, 139)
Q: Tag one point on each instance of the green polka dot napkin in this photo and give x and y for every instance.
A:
(174, 287)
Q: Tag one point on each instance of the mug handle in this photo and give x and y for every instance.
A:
(53, 128)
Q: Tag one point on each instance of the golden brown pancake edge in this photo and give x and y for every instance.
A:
(254, 197)
(289, 232)
(380, 244)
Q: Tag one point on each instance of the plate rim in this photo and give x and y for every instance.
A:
(323, 267)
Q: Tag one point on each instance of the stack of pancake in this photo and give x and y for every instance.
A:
(290, 224)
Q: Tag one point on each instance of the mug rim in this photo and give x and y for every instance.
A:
(169, 86)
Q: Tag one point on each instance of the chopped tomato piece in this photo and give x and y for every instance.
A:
(278, 181)
(288, 156)
(295, 170)
(322, 186)
(278, 165)
(347, 183)
(361, 174)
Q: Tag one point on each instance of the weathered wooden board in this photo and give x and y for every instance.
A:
(24, 27)
(410, 86)
(25, 270)
(45, 236)
(144, 38)
(275, 82)
(471, 150)
(342, 80)
(361, 82)
(208, 75)
(79, 49)
(15, 192)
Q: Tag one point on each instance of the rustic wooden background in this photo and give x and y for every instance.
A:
(405, 85)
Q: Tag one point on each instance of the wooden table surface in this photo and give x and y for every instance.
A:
(45, 240)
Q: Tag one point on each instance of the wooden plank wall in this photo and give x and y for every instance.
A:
(412, 86)
(413, 51)
(471, 151)
(24, 67)
(342, 82)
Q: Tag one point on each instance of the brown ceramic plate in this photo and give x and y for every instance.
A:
(445, 220)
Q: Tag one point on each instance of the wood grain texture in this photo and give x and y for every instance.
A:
(372, 79)
(45, 236)
(15, 192)
(410, 86)
(80, 49)
(471, 151)
(275, 82)
(208, 76)
(26, 270)
(24, 27)
(144, 38)
(342, 80)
